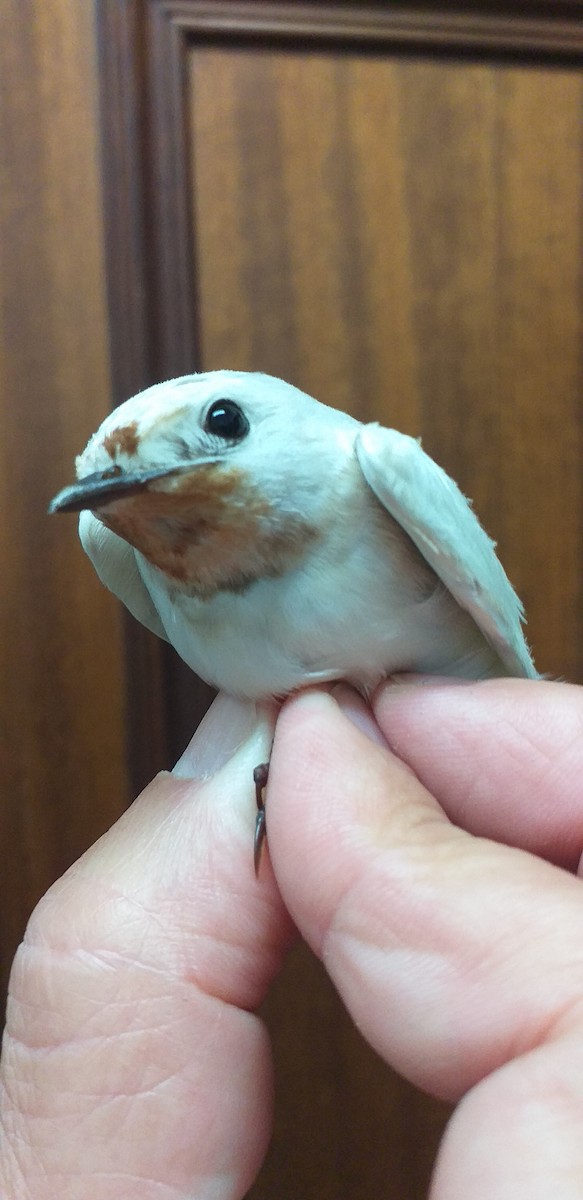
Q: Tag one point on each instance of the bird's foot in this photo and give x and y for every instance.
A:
(260, 775)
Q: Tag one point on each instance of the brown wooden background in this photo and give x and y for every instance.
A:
(382, 205)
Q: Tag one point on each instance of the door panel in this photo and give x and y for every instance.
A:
(402, 239)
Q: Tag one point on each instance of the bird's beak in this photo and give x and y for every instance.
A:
(104, 486)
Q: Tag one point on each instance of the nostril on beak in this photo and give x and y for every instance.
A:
(102, 488)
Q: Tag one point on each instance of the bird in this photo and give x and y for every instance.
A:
(277, 542)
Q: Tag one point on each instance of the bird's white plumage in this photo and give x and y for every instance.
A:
(439, 519)
(378, 562)
(117, 567)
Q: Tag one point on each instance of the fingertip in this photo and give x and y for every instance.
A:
(318, 730)
(229, 725)
(429, 715)
(324, 702)
(503, 756)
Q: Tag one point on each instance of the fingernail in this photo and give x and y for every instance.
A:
(357, 711)
(228, 723)
(408, 679)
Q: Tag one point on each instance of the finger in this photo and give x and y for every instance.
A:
(453, 954)
(517, 1135)
(134, 1064)
(504, 757)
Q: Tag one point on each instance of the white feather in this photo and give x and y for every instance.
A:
(398, 575)
(116, 565)
(437, 516)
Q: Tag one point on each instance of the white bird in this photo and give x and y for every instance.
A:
(276, 542)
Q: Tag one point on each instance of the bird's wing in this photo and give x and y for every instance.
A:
(431, 509)
(115, 563)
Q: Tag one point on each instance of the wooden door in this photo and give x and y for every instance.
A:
(381, 205)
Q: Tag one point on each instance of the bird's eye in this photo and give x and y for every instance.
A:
(226, 420)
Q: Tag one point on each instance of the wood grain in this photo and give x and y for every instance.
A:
(151, 253)
(497, 225)
(61, 656)
(400, 236)
(402, 239)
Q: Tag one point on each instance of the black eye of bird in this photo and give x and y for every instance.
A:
(226, 420)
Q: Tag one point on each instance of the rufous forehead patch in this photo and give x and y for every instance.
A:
(123, 440)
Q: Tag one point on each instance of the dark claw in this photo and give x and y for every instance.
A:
(260, 780)
(258, 840)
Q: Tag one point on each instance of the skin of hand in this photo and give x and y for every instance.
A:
(427, 849)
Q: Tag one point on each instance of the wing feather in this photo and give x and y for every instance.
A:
(115, 563)
(440, 521)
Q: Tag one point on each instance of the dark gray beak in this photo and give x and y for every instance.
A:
(96, 490)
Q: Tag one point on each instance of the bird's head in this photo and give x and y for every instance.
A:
(215, 476)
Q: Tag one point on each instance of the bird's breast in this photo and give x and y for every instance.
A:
(356, 604)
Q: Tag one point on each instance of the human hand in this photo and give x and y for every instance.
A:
(459, 958)
(143, 1064)
(133, 1063)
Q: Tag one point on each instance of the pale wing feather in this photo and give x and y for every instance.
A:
(115, 563)
(433, 511)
